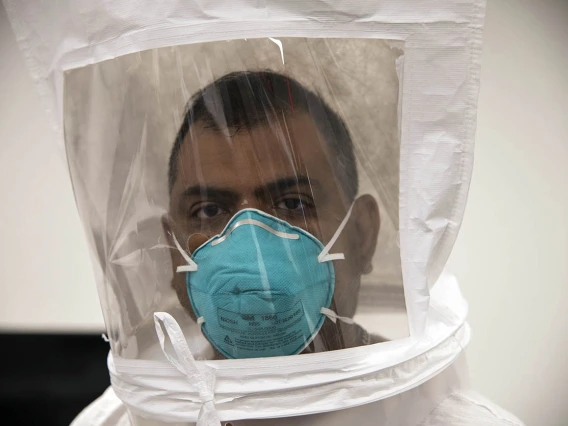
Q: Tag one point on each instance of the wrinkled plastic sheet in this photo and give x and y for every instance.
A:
(117, 79)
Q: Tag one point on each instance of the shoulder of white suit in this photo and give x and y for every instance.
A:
(469, 408)
(106, 410)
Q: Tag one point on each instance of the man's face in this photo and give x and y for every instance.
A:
(283, 168)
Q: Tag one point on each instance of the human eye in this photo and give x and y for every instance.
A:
(293, 203)
(207, 211)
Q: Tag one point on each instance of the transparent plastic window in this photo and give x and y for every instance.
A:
(247, 187)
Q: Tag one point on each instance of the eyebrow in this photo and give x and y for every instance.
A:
(279, 185)
(209, 190)
(283, 184)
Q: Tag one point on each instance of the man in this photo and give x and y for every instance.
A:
(261, 140)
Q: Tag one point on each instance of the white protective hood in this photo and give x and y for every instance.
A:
(86, 56)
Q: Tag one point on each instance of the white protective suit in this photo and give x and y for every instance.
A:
(270, 190)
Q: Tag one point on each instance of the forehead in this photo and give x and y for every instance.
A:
(286, 146)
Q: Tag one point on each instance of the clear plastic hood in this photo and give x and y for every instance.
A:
(268, 188)
(268, 144)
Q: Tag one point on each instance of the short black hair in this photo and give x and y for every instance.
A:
(248, 98)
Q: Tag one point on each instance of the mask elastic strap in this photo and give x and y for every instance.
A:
(334, 317)
(191, 265)
(325, 256)
(202, 378)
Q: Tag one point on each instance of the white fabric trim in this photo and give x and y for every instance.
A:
(448, 404)
(298, 385)
(202, 380)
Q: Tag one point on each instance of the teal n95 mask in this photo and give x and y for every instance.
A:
(262, 287)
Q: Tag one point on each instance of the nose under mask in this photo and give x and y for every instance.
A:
(262, 287)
